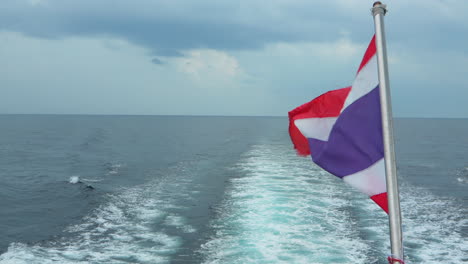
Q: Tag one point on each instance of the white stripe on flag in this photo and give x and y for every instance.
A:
(366, 80)
(318, 128)
(370, 181)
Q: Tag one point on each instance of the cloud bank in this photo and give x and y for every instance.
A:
(168, 27)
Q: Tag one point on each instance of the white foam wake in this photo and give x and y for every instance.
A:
(433, 227)
(284, 210)
(74, 179)
(128, 228)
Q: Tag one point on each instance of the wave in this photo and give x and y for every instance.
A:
(74, 179)
(132, 226)
(462, 175)
(113, 168)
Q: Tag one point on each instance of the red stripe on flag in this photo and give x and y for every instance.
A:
(371, 50)
(381, 200)
(328, 104)
(301, 144)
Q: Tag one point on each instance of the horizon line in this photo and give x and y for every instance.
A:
(201, 115)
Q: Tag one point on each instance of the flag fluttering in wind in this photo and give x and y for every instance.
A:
(342, 131)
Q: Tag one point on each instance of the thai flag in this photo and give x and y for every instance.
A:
(342, 131)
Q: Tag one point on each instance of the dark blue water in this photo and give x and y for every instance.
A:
(174, 189)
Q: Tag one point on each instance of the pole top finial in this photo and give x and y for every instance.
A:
(379, 8)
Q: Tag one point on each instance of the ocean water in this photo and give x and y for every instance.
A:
(175, 189)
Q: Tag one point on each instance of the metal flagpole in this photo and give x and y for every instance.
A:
(378, 12)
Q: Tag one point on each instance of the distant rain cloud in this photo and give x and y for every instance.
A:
(157, 61)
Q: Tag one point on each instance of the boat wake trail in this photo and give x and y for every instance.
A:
(136, 225)
(284, 209)
(434, 228)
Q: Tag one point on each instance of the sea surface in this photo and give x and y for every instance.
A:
(185, 189)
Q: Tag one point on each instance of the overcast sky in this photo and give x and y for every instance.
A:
(212, 57)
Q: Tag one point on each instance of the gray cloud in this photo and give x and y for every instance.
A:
(168, 27)
(152, 24)
(157, 61)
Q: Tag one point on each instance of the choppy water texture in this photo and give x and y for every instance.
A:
(123, 189)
